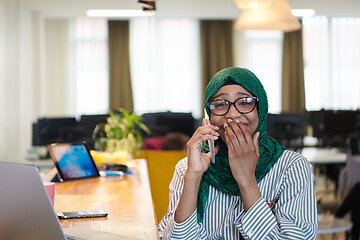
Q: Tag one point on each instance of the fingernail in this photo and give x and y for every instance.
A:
(204, 121)
(237, 121)
(225, 125)
(230, 120)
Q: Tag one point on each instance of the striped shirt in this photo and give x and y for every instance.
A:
(286, 210)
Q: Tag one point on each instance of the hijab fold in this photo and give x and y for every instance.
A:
(219, 174)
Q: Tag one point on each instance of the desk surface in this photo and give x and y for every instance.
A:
(324, 155)
(127, 199)
(338, 225)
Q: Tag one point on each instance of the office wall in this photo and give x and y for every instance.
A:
(29, 45)
(10, 77)
(57, 86)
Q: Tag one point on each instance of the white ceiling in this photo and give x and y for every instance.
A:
(202, 9)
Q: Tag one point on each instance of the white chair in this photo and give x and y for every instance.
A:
(349, 176)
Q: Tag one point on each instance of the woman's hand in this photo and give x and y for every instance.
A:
(243, 151)
(199, 162)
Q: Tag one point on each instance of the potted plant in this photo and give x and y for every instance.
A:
(120, 134)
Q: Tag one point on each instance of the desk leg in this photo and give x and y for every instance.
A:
(334, 236)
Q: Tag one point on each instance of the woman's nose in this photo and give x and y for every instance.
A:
(233, 112)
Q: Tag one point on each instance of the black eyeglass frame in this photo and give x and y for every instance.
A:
(233, 103)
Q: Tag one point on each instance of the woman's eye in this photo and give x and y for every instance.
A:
(245, 103)
(219, 104)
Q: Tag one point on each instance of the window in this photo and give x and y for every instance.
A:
(90, 60)
(331, 62)
(261, 53)
(165, 65)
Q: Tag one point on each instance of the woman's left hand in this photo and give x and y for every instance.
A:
(243, 151)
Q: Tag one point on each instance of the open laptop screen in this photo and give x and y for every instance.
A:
(73, 161)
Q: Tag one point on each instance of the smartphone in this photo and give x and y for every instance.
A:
(210, 142)
(81, 214)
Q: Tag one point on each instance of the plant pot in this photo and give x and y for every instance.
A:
(118, 157)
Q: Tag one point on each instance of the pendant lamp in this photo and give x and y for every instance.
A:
(246, 4)
(266, 15)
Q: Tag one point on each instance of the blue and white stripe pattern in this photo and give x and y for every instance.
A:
(290, 182)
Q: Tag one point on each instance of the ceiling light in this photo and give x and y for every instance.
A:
(117, 13)
(276, 16)
(303, 12)
(246, 4)
(254, 5)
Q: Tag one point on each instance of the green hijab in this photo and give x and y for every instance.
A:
(219, 174)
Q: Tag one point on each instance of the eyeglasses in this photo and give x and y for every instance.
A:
(243, 105)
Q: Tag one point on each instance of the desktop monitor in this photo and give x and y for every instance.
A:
(52, 130)
(162, 123)
(288, 129)
(316, 122)
(338, 125)
(333, 128)
(88, 123)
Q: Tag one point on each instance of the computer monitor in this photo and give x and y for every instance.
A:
(288, 129)
(55, 130)
(338, 125)
(316, 122)
(333, 128)
(88, 123)
(162, 123)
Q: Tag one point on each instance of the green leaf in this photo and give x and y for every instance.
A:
(123, 128)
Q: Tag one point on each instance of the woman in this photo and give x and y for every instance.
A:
(255, 189)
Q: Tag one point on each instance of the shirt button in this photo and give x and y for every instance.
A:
(250, 234)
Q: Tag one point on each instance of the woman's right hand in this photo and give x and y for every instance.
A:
(199, 162)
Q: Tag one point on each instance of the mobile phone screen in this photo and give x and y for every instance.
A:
(212, 146)
(82, 214)
(211, 143)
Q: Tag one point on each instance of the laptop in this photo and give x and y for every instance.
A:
(27, 212)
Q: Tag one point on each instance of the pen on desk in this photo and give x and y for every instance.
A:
(111, 173)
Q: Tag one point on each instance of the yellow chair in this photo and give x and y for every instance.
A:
(161, 166)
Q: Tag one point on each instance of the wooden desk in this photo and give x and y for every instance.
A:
(324, 155)
(337, 225)
(332, 160)
(127, 199)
